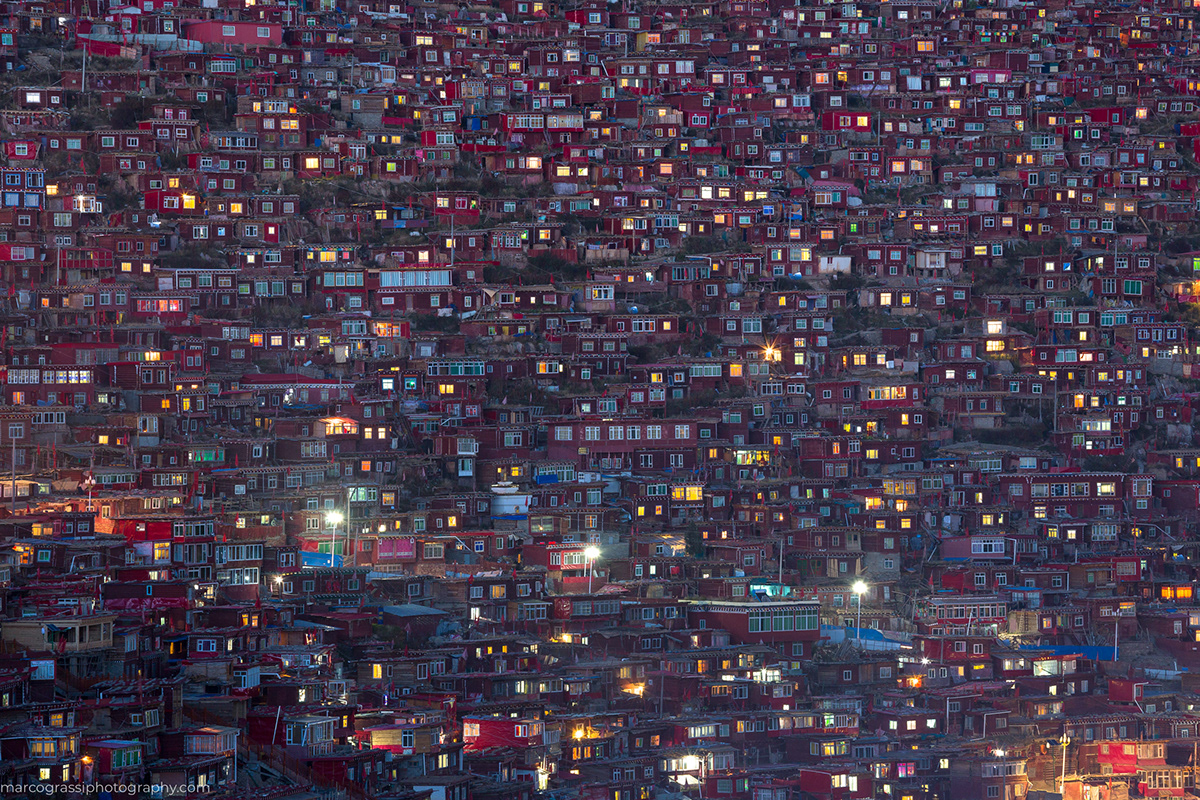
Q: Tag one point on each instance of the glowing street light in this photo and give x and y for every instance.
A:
(859, 588)
(333, 519)
(591, 554)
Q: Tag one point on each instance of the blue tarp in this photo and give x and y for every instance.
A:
(308, 559)
(1094, 653)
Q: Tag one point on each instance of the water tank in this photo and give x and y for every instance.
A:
(508, 499)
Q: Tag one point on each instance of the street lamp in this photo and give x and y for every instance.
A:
(333, 519)
(1065, 741)
(591, 554)
(859, 588)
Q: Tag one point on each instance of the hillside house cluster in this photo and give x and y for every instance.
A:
(730, 399)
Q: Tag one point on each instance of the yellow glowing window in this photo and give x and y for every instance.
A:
(735, 370)
(446, 388)
(312, 163)
(189, 201)
(235, 208)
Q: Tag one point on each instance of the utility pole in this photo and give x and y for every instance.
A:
(781, 566)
